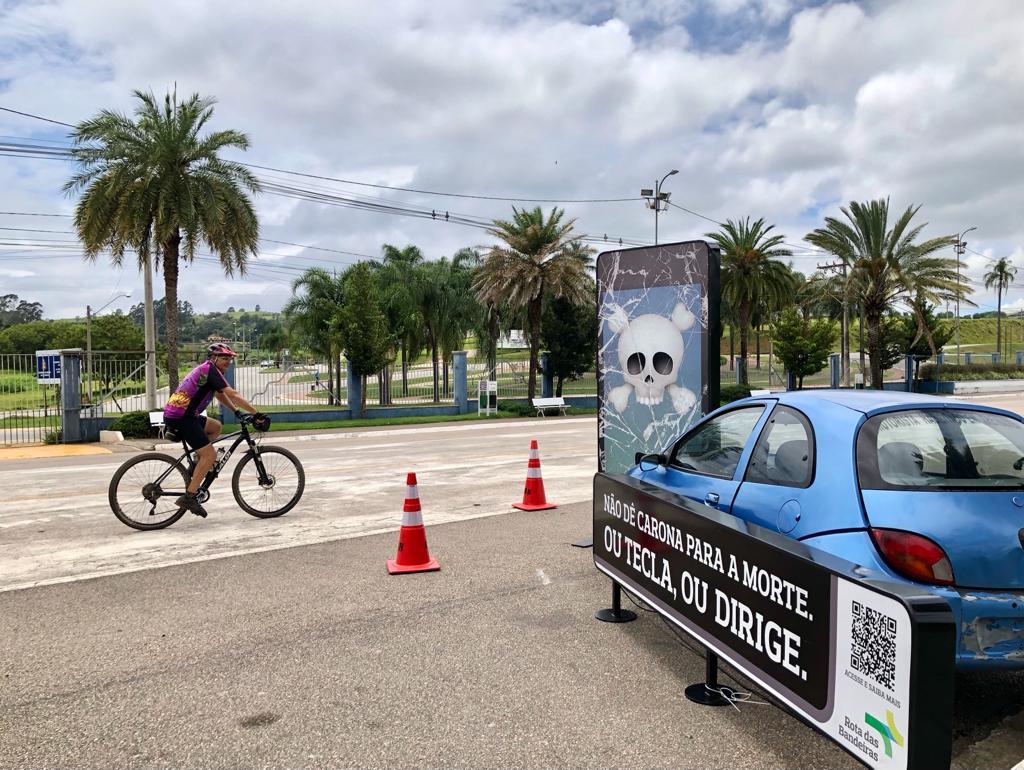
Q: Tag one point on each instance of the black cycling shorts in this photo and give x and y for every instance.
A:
(191, 430)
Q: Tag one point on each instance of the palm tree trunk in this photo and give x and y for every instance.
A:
(999, 319)
(533, 323)
(863, 323)
(494, 331)
(732, 346)
(170, 258)
(330, 379)
(433, 358)
(757, 338)
(744, 320)
(874, 319)
(405, 373)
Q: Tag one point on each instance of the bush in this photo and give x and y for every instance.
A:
(722, 360)
(134, 425)
(518, 408)
(981, 371)
(732, 392)
(53, 437)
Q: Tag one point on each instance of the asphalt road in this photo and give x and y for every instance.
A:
(301, 651)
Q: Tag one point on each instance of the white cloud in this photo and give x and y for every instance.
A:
(919, 100)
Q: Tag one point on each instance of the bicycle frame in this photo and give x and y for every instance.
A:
(243, 436)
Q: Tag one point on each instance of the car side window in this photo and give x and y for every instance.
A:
(784, 453)
(714, 448)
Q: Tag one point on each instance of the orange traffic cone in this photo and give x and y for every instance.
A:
(413, 555)
(533, 493)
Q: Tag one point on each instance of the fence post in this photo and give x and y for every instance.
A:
(833, 370)
(460, 386)
(790, 381)
(940, 358)
(227, 416)
(995, 358)
(547, 383)
(355, 391)
(741, 371)
(908, 372)
(1020, 358)
(71, 394)
(967, 358)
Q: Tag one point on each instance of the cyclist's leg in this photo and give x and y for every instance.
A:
(212, 429)
(194, 433)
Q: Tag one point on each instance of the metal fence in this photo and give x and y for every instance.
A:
(29, 412)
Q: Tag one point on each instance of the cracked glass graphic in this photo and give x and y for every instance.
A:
(652, 349)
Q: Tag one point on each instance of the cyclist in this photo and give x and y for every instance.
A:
(185, 410)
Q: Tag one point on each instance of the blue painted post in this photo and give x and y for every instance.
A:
(355, 391)
(908, 372)
(1020, 358)
(226, 416)
(833, 370)
(940, 358)
(790, 381)
(71, 395)
(967, 358)
(995, 358)
(547, 384)
(459, 370)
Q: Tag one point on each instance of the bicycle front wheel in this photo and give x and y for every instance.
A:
(275, 494)
(142, 492)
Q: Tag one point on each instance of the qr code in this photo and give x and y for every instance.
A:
(873, 644)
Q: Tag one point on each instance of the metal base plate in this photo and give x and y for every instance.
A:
(615, 616)
(699, 693)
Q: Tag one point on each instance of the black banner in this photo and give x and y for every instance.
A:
(761, 605)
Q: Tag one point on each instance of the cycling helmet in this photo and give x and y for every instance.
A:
(219, 349)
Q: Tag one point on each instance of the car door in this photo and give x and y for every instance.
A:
(780, 472)
(705, 464)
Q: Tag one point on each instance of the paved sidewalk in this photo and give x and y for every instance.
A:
(46, 451)
(315, 657)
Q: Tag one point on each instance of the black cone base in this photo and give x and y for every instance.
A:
(615, 616)
(699, 693)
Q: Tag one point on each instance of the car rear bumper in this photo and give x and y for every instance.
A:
(991, 628)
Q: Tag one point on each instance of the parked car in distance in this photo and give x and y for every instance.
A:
(916, 488)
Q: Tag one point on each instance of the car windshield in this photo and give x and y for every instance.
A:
(941, 448)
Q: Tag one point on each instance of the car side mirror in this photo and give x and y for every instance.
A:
(648, 462)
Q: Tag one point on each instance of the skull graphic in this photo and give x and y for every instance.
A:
(650, 353)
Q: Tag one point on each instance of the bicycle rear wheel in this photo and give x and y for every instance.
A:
(279, 493)
(139, 500)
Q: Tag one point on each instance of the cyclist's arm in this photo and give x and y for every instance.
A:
(233, 400)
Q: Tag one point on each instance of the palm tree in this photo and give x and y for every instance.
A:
(313, 315)
(751, 272)
(396, 279)
(538, 258)
(155, 185)
(1001, 276)
(886, 266)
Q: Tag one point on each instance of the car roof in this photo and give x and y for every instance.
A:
(872, 401)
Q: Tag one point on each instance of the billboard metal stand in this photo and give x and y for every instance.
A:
(616, 614)
(708, 692)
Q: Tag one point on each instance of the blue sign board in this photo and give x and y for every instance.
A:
(48, 367)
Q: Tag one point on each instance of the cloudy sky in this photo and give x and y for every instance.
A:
(768, 108)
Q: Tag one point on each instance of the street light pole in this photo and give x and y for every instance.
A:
(88, 338)
(658, 196)
(961, 247)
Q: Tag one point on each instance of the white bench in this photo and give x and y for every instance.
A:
(541, 404)
(156, 420)
(756, 393)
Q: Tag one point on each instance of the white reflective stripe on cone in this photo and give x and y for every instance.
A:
(412, 519)
(534, 454)
(533, 473)
(412, 493)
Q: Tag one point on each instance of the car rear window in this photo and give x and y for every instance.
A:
(941, 449)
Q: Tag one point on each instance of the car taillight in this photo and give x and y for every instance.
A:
(913, 556)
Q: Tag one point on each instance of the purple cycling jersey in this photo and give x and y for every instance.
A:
(195, 392)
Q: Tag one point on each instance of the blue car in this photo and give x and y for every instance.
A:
(915, 488)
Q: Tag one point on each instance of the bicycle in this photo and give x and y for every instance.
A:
(262, 475)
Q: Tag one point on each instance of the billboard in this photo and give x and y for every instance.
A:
(869, 663)
(658, 346)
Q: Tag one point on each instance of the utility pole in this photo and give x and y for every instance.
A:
(150, 331)
(844, 342)
(959, 247)
(657, 200)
